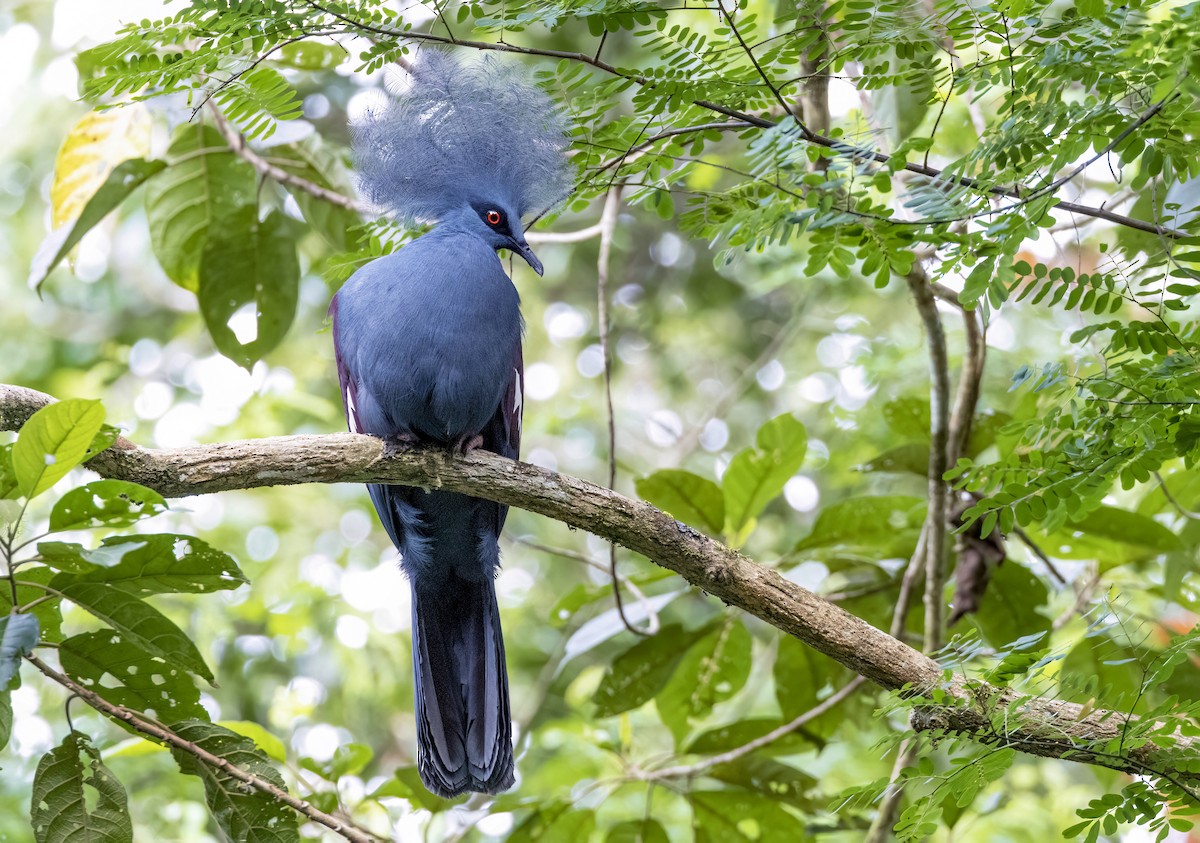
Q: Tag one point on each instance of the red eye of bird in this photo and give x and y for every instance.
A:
(493, 217)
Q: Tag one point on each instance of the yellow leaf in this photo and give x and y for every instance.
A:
(97, 143)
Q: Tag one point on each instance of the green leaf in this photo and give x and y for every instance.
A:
(556, 821)
(125, 178)
(9, 488)
(6, 718)
(908, 417)
(18, 636)
(693, 499)
(1009, 609)
(124, 674)
(757, 475)
(800, 674)
(645, 830)
(62, 810)
(105, 503)
(245, 815)
(736, 816)
(205, 186)
(910, 459)
(157, 563)
(639, 673)
(711, 671)
(137, 621)
(246, 261)
(770, 778)
(256, 732)
(53, 441)
(879, 521)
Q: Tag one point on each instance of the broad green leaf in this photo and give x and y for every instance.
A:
(738, 816)
(249, 262)
(757, 475)
(105, 503)
(157, 563)
(91, 151)
(6, 718)
(77, 799)
(53, 441)
(553, 822)
(18, 636)
(125, 674)
(693, 499)
(1009, 609)
(908, 418)
(645, 830)
(204, 185)
(891, 522)
(137, 621)
(770, 778)
(124, 179)
(639, 673)
(711, 671)
(245, 815)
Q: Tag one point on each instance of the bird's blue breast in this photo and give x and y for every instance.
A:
(429, 334)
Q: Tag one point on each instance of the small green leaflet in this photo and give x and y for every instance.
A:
(54, 440)
(62, 809)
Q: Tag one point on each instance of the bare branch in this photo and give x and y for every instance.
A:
(1047, 727)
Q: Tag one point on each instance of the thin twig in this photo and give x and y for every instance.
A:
(237, 143)
(1040, 554)
(139, 722)
(608, 226)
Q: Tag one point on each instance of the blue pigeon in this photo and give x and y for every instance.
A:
(428, 347)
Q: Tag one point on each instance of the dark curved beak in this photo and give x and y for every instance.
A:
(522, 249)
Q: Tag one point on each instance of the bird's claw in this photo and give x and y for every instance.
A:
(467, 444)
(400, 441)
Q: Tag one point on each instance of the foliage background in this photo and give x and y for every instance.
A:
(708, 345)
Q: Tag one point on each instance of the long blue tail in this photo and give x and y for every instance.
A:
(464, 731)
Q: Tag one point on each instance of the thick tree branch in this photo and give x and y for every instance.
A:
(1051, 728)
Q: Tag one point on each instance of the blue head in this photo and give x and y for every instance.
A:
(472, 146)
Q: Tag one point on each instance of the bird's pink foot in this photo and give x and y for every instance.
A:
(402, 441)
